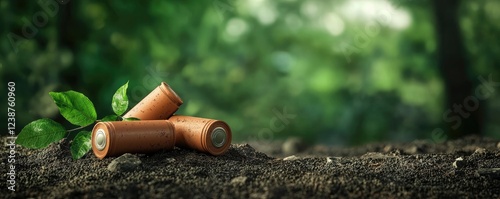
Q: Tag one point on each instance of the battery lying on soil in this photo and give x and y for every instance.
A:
(117, 138)
(202, 134)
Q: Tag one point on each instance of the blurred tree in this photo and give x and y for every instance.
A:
(68, 30)
(454, 67)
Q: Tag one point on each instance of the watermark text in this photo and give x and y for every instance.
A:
(11, 139)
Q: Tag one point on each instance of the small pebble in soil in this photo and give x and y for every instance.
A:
(330, 160)
(126, 162)
(239, 180)
(412, 150)
(387, 148)
(492, 172)
(377, 155)
(292, 157)
(479, 153)
(292, 145)
(459, 163)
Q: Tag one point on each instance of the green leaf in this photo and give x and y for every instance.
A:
(75, 107)
(81, 144)
(120, 100)
(131, 119)
(110, 118)
(40, 133)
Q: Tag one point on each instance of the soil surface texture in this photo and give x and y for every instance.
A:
(468, 167)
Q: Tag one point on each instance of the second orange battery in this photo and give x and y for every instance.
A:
(202, 134)
(117, 138)
(160, 104)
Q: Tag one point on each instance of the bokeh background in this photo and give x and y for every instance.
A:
(333, 72)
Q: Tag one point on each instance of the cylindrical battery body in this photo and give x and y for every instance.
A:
(202, 134)
(160, 104)
(117, 138)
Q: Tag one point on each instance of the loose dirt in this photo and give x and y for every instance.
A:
(418, 169)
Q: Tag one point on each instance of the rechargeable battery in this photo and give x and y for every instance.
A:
(160, 104)
(117, 138)
(202, 134)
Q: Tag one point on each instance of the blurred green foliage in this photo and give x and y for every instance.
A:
(243, 61)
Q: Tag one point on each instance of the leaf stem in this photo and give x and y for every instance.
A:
(76, 129)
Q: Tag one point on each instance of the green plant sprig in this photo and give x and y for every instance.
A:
(77, 109)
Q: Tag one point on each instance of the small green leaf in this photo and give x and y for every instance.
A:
(40, 133)
(75, 107)
(81, 144)
(110, 118)
(131, 119)
(120, 100)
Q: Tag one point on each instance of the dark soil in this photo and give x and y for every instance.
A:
(418, 169)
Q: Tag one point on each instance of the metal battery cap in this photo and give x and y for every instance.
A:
(219, 137)
(100, 140)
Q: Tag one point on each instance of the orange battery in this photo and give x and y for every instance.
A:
(161, 103)
(202, 134)
(117, 138)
